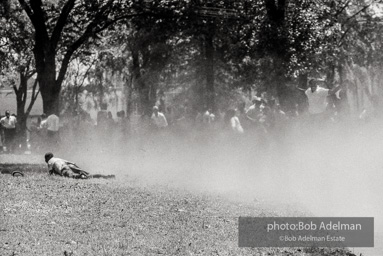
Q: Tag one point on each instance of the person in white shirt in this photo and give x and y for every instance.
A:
(64, 168)
(253, 112)
(8, 125)
(159, 119)
(235, 124)
(43, 123)
(206, 118)
(317, 97)
(52, 125)
(61, 167)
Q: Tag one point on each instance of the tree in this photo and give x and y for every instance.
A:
(61, 29)
(17, 63)
(148, 43)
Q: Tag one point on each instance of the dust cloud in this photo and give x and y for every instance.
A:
(333, 170)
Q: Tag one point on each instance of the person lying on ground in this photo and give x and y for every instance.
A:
(65, 168)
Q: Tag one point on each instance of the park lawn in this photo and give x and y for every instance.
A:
(50, 215)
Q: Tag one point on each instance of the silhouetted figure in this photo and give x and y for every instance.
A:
(232, 121)
(253, 112)
(8, 124)
(317, 98)
(53, 127)
(102, 118)
(158, 119)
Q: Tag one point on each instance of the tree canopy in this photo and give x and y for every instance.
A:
(208, 48)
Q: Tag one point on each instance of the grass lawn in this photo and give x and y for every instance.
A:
(50, 215)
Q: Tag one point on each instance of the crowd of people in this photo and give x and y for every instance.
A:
(262, 118)
(47, 128)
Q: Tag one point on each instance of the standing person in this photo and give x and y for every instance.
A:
(253, 112)
(43, 132)
(35, 134)
(123, 124)
(43, 123)
(233, 122)
(53, 126)
(102, 118)
(158, 119)
(317, 98)
(8, 124)
(110, 122)
(206, 119)
(102, 125)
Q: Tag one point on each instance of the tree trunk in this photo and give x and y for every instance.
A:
(21, 96)
(209, 69)
(21, 100)
(139, 84)
(49, 87)
(51, 98)
(276, 13)
(147, 90)
(343, 105)
(129, 97)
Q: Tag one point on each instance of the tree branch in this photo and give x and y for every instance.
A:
(342, 9)
(27, 9)
(343, 36)
(56, 34)
(86, 73)
(38, 21)
(15, 89)
(355, 14)
(108, 24)
(89, 32)
(33, 98)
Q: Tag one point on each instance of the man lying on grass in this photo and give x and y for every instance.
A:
(65, 168)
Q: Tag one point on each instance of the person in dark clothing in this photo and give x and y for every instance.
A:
(8, 125)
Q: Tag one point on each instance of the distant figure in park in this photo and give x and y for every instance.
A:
(64, 168)
(122, 123)
(207, 117)
(158, 119)
(253, 112)
(53, 126)
(8, 125)
(35, 134)
(111, 122)
(102, 118)
(235, 124)
(43, 122)
(317, 98)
